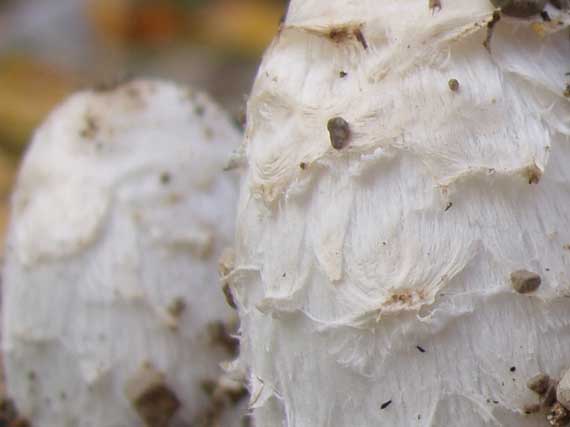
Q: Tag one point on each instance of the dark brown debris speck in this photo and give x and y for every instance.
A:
(386, 404)
(208, 386)
(434, 4)
(360, 37)
(339, 34)
(453, 85)
(531, 408)
(342, 74)
(524, 281)
(165, 178)
(199, 110)
(177, 307)
(539, 383)
(229, 296)
(491, 28)
(533, 174)
(513, 369)
(421, 349)
(449, 206)
(220, 334)
(339, 131)
(153, 400)
(90, 128)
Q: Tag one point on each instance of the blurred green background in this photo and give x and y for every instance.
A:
(49, 48)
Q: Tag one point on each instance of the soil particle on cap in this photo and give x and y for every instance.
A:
(177, 307)
(524, 281)
(539, 383)
(90, 127)
(339, 131)
(533, 174)
(434, 4)
(531, 408)
(165, 178)
(453, 85)
(229, 296)
(491, 28)
(150, 396)
(220, 334)
(338, 34)
(360, 37)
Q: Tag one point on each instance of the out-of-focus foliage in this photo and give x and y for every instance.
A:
(242, 26)
(7, 173)
(29, 91)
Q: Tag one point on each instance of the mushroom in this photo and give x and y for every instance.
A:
(120, 212)
(375, 282)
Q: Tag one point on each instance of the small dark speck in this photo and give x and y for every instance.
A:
(165, 178)
(448, 207)
(342, 74)
(419, 416)
(453, 85)
(566, 92)
(284, 275)
(339, 131)
(421, 349)
(567, 74)
(200, 110)
(545, 16)
(360, 37)
(513, 368)
(385, 404)
(303, 165)
(547, 269)
(496, 402)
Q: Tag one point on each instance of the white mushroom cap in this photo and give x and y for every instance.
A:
(120, 212)
(373, 271)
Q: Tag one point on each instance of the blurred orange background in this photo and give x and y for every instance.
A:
(49, 48)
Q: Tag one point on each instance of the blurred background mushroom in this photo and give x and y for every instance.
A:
(49, 48)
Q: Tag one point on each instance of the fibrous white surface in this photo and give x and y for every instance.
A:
(120, 212)
(374, 281)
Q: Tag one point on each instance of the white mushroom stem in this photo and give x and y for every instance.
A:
(376, 262)
(112, 312)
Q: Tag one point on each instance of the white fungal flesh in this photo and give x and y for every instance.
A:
(374, 282)
(119, 215)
